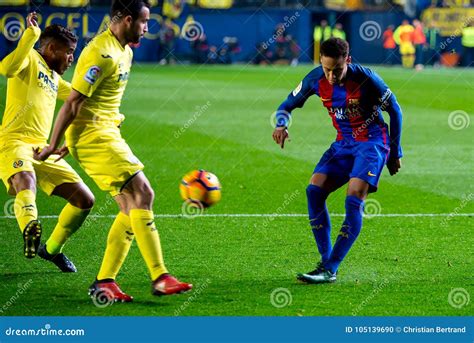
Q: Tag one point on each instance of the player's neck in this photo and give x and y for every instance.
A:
(119, 34)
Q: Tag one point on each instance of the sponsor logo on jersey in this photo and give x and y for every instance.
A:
(92, 75)
(298, 89)
(46, 82)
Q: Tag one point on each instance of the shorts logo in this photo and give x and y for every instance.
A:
(92, 74)
(18, 164)
(371, 174)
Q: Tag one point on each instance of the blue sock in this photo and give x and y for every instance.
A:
(348, 234)
(319, 219)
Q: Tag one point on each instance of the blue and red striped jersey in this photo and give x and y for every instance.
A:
(355, 106)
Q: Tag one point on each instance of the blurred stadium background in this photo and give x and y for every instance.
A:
(274, 31)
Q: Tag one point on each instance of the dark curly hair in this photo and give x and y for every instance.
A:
(123, 8)
(335, 48)
(58, 33)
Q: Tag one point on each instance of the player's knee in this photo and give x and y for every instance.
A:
(358, 193)
(87, 201)
(23, 181)
(146, 195)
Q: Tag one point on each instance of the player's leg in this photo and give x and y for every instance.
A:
(138, 196)
(23, 186)
(331, 172)
(119, 241)
(369, 161)
(356, 193)
(80, 202)
(321, 185)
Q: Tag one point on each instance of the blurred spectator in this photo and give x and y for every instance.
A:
(403, 36)
(419, 40)
(468, 45)
(320, 34)
(168, 33)
(200, 49)
(389, 46)
(338, 31)
(433, 39)
(212, 55)
(263, 56)
(295, 51)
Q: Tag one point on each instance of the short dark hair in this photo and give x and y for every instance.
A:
(58, 33)
(123, 8)
(335, 48)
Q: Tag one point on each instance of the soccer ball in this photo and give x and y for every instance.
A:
(200, 188)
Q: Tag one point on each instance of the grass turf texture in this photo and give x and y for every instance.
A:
(218, 118)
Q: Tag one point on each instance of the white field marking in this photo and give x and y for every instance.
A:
(272, 215)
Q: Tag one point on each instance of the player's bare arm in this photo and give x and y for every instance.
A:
(66, 116)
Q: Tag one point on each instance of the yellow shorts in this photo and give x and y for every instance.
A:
(105, 157)
(17, 156)
(407, 49)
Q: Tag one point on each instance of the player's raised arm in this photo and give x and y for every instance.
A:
(66, 116)
(17, 60)
(295, 99)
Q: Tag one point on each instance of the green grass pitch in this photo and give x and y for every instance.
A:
(219, 119)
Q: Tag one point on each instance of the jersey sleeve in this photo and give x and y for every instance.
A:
(19, 59)
(388, 102)
(92, 68)
(64, 89)
(295, 99)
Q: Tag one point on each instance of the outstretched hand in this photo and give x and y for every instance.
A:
(32, 20)
(280, 135)
(43, 154)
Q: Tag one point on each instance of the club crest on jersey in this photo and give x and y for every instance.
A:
(92, 75)
(298, 89)
(18, 164)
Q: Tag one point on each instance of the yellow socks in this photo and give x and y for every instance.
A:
(148, 240)
(119, 242)
(70, 220)
(25, 208)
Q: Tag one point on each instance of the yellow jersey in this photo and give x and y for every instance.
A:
(101, 75)
(32, 91)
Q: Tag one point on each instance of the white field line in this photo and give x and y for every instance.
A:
(272, 215)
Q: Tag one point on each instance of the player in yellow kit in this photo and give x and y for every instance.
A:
(91, 117)
(34, 84)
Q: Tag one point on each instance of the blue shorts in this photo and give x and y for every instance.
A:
(363, 160)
